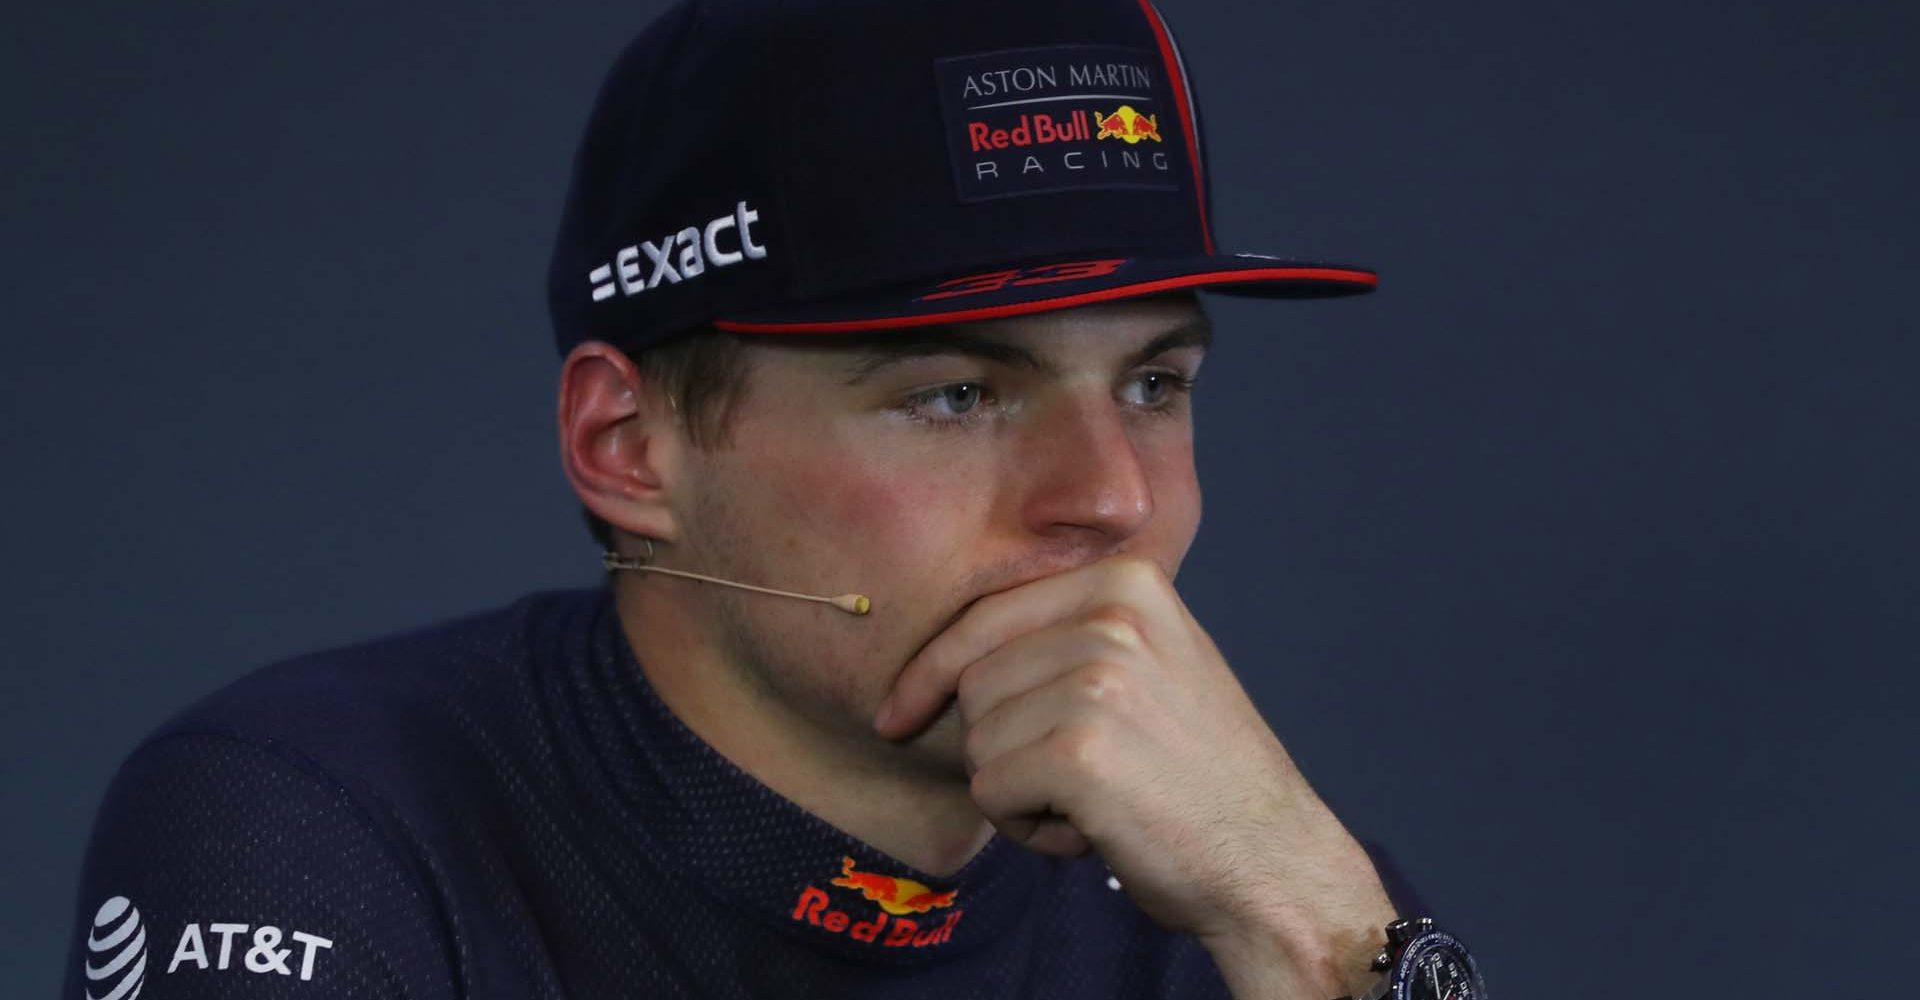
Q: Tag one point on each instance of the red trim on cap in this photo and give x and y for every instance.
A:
(1329, 274)
(1171, 61)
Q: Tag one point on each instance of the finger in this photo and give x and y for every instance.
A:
(1039, 658)
(1048, 835)
(1058, 838)
(1018, 791)
(932, 676)
(1033, 715)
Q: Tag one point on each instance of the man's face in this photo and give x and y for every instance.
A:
(926, 470)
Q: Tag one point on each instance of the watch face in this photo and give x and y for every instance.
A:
(1437, 967)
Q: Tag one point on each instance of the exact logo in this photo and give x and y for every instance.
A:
(263, 956)
(117, 958)
(896, 896)
(697, 246)
(1128, 124)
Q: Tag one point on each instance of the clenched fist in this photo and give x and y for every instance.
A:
(1100, 715)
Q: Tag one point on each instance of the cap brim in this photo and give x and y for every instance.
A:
(1043, 286)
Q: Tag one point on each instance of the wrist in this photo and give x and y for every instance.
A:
(1279, 952)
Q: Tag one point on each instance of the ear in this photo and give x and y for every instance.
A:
(620, 441)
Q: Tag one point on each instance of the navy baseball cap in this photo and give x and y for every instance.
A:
(823, 166)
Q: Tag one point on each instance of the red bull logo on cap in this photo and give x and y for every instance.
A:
(1026, 121)
(1129, 125)
(1032, 130)
(889, 928)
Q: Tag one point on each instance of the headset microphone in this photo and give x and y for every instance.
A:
(853, 604)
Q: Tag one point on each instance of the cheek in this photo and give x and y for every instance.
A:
(1180, 484)
(850, 505)
(894, 532)
(896, 518)
(1176, 497)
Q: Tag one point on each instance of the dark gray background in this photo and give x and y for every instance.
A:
(1577, 564)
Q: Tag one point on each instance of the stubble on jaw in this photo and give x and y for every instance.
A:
(805, 662)
(833, 691)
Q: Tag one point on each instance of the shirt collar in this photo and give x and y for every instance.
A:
(702, 820)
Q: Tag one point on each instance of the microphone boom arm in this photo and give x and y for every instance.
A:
(853, 604)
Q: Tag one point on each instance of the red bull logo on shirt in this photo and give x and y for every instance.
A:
(889, 928)
(895, 895)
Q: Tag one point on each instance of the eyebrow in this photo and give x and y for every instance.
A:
(886, 350)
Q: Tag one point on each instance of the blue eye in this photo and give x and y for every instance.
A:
(1157, 388)
(952, 404)
(960, 397)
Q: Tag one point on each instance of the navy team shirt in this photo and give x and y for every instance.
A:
(501, 807)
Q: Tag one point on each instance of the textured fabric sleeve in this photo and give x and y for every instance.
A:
(219, 868)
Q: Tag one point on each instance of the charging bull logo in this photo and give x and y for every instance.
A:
(897, 897)
(1128, 124)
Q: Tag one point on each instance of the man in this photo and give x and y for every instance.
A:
(878, 353)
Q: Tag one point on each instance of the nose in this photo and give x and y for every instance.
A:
(1084, 474)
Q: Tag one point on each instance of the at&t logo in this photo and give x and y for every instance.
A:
(116, 952)
(263, 955)
(116, 960)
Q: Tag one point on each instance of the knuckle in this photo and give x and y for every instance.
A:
(975, 746)
(1117, 625)
(1138, 573)
(1116, 622)
(1078, 747)
(982, 787)
(1099, 681)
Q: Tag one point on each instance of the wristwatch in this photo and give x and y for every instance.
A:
(1422, 962)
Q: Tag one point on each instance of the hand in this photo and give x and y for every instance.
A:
(1099, 714)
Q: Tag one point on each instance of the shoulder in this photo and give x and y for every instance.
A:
(397, 710)
(283, 829)
(407, 669)
(215, 861)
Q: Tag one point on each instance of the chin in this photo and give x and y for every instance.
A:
(940, 749)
